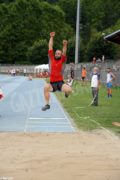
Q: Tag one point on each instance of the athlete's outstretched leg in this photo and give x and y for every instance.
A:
(47, 90)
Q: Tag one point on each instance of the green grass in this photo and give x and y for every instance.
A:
(91, 118)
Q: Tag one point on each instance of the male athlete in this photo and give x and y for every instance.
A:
(57, 61)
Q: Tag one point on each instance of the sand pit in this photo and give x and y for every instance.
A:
(75, 156)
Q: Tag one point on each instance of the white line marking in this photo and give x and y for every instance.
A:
(45, 118)
(48, 123)
(111, 135)
(79, 107)
(50, 126)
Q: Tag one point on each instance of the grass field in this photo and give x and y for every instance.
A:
(91, 118)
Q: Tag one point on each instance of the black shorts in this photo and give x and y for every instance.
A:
(57, 86)
(83, 78)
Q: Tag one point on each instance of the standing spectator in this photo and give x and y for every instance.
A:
(72, 70)
(95, 81)
(17, 71)
(24, 71)
(83, 75)
(103, 58)
(94, 60)
(110, 78)
(13, 72)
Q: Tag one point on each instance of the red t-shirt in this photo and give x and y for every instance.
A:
(56, 67)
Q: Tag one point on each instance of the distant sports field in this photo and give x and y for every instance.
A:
(88, 117)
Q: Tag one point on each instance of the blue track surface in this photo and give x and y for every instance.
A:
(21, 108)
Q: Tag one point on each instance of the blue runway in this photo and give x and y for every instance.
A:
(21, 108)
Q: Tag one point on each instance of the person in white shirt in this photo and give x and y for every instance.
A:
(14, 72)
(24, 71)
(103, 58)
(95, 81)
(110, 78)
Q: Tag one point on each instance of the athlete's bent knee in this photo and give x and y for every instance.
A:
(66, 88)
(47, 87)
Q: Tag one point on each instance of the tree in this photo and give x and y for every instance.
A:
(70, 8)
(23, 23)
(37, 53)
(97, 47)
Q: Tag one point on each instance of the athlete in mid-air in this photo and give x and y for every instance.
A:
(57, 61)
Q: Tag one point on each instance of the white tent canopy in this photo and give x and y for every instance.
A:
(41, 67)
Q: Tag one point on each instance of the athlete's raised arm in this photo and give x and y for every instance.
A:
(65, 43)
(50, 45)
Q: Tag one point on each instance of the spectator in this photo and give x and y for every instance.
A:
(72, 70)
(83, 75)
(24, 71)
(94, 60)
(103, 58)
(110, 78)
(95, 81)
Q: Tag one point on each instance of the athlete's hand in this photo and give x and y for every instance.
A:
(65, 42)
(52, 34)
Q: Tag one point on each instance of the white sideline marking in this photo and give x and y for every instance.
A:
(48, 123)
(31, 126)
(111, 135)
(79, 107)
(45, 118)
